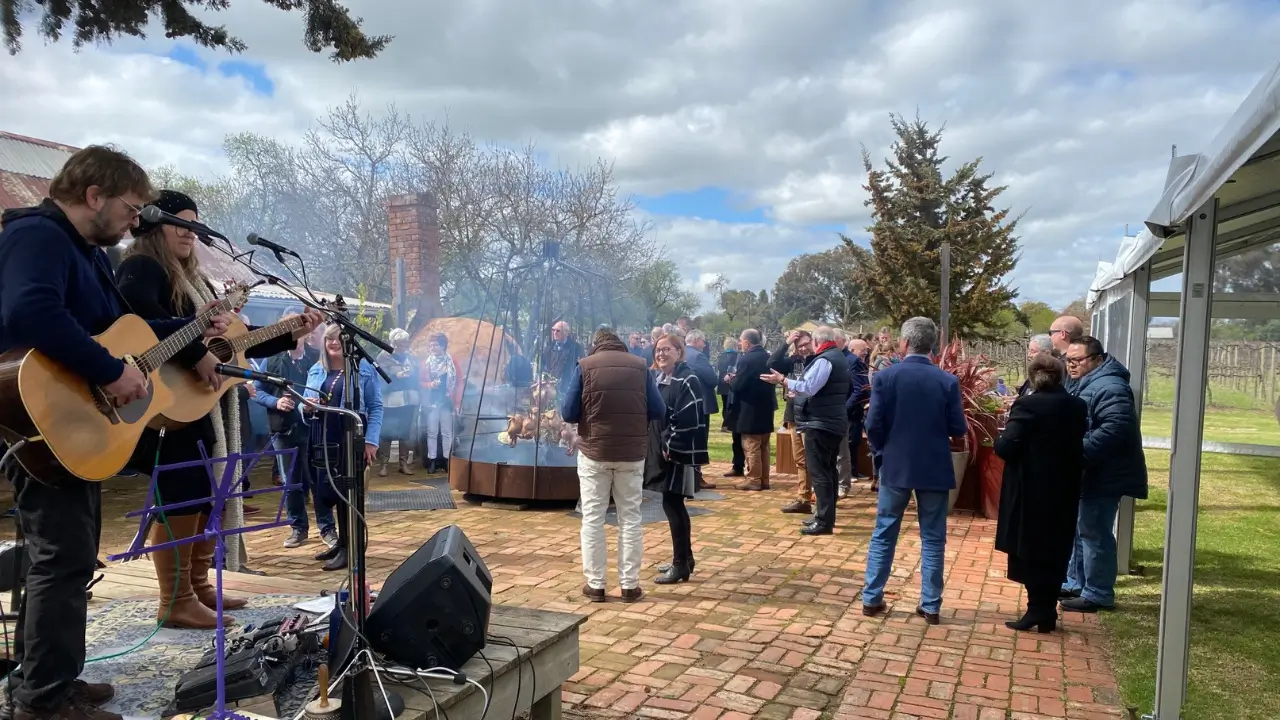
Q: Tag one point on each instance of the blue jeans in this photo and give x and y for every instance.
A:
(295, 501)
(1092, 569)
(931, 509)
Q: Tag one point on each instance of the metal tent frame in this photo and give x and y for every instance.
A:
(1216, 205)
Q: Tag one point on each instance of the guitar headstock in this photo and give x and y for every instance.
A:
(235, 294)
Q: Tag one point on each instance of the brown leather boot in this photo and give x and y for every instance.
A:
(173, 574)
(202, 557)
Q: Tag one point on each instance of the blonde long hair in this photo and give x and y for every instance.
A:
(153, 245)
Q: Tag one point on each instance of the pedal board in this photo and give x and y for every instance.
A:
(259, 660)
(246, 674)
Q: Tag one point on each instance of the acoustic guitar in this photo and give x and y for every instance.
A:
(69, 423)
(193, 398)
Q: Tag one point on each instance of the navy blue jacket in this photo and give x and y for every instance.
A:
(915, 411)
(706, 374)
(1114, 464)
(861, 389)
(57, 290)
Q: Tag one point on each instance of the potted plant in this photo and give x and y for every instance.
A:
(981, 409)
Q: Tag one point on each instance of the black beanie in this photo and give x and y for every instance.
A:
(170, 201)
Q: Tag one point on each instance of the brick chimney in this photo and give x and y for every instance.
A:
(413, 222)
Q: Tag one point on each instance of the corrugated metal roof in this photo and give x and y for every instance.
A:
(21, 190)
(29, 156)
(270, 291)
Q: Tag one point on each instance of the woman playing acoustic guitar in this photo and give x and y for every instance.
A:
(160, 276)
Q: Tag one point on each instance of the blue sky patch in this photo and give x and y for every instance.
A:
(254, 73)
(708, 203)
(188, 56)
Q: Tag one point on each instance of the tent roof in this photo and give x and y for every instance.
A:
(1241, 168)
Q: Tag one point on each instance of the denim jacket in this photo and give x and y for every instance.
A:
(370, 397)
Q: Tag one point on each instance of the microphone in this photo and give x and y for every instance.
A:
(155, 215)
(236, 371)
(258, 241)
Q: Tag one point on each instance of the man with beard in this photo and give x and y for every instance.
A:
(57, 290)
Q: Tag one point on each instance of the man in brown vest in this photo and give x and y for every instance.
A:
(612, 397)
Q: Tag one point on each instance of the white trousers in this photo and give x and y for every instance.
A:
(597, 481)
(439, 420)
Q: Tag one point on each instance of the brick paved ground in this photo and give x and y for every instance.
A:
(770, 627)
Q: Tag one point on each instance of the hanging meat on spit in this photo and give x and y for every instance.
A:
(542, 421)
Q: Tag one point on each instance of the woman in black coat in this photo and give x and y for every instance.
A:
(676, 448)
(160, 278)
(1043, 449)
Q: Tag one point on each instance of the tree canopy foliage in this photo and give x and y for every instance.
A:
(915, 209)
(326, 198)
(328, 24)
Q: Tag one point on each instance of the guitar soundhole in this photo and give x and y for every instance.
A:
(221, 349)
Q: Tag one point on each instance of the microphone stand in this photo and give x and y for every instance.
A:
(358, 690)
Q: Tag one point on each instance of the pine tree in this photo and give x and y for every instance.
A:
(915, 209)
(328, 24)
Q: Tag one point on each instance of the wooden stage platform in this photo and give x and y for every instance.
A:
(523, 678)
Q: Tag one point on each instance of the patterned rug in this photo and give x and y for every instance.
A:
(145, 678)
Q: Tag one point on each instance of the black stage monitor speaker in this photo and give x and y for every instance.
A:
(434, 609)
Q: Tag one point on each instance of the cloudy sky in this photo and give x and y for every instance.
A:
(737, 124)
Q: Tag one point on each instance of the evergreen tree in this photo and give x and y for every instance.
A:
(328, 24)
(915, 209)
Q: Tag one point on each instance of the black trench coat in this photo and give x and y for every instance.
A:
(1043, 449)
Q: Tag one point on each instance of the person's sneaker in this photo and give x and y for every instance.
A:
(330, 538)
(96, 694)
(842, 492)
(797, 506)
(297, 538)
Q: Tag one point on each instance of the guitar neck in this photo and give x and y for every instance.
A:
(270, 332)
(167, 348)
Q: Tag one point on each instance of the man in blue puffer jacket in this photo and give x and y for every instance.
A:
(1114, 467)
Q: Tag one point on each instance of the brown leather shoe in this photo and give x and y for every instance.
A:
(930, 618)
(798, 506)
(708, 485)
(630, 595)
(749, 485)
(95, 694)
(70, 709)
(595, 595)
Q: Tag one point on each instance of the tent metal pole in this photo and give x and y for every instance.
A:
(1184, 464)
(1137, 364)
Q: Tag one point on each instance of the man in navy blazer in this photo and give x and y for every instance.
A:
(915, 411)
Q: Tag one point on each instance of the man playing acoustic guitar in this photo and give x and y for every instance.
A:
(57, 290)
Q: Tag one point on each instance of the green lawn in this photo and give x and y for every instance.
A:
(1235, 655)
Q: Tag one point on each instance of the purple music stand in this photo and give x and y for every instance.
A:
(223, 490)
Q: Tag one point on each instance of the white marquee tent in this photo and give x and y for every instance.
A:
(1216, 204)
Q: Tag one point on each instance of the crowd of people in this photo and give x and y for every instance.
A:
(1071, 445)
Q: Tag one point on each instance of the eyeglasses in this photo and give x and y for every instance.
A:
(664, 349)
(132, 208)
(1077, 361)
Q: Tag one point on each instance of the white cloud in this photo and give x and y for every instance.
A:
(1073, 105)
